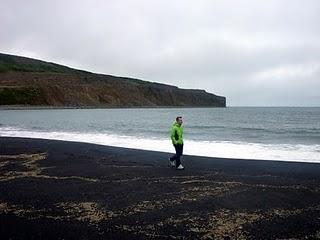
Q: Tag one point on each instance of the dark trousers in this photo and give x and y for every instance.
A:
(179, 151)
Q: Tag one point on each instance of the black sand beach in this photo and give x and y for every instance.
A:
(66, 190)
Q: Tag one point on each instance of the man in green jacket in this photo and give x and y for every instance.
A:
(177, 141)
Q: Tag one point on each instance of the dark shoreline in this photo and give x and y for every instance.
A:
(69, 190)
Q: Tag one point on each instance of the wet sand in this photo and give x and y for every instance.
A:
(67, 190)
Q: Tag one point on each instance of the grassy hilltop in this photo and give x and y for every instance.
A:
(26, 81)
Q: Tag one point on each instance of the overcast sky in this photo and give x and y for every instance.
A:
(256, 53)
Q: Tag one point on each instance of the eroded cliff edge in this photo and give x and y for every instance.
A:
(26, 81)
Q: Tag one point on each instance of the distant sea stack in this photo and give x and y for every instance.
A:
(31, 82)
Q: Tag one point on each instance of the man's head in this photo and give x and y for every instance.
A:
(179, 120)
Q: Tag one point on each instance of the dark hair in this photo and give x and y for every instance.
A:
(177, 118)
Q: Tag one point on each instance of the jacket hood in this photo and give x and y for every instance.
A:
(176, 124)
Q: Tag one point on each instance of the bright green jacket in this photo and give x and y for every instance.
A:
(176, 134)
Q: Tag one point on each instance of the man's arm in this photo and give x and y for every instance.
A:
(173, 135)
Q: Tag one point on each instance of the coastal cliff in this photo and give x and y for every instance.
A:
(26, 81)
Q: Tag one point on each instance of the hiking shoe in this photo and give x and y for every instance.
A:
(180, 167)
(171, 163)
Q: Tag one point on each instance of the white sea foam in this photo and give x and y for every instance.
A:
(239, 150)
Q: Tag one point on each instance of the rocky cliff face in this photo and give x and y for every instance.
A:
(34, 82)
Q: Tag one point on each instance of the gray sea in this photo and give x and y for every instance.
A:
(270, 133)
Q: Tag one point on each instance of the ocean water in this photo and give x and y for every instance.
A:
(268, 133)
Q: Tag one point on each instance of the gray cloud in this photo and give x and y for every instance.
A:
(252, 52)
